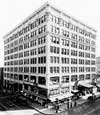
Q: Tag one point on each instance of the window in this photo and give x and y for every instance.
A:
(54, 49)
(33, 43)
(55, 29)
(55, 39)
(33, 60)
(81, 54)
(81, 61)
(65, 33)
(42, 50)
(55, 19)
(87, 55)
(81, 46)
(81, 77)
(65, 51)
(87, 62)
(33, 52)
(42, 40)
(65, 60)
(26, 45)
(33, 24)
(93, 43)
(42, 19)
(93, 69)
(65, 79)
(54, 92)
(73, 53)
(87, 76)
(26, 61)
(26, 37)
(20, 69)
(73, 44)
(65, 42)
(42, 70)
(74, 36)
(73, 69)
(87, 69)
(92, 49)
(54, 80)
(81, 69)
(42, 80)
(26, 69)
(81, 39)
(74, 78)
(21, 62)
(20, 47)
(64, 89)
(21, 40)
(73, 61)
(26, 53)
(92, 56)
(87, 41)
(54, 69)
(33, 69)
(87, 48)
(65, 69)
(93, 62)
(64, 23)
(54, 59)
(41, 60)
(33, 33)
(42, 29)
(20, 54)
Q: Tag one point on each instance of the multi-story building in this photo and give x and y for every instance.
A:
(1, 77)
(98, 66)
(48, 52)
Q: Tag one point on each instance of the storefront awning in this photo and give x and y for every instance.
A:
(98, 85)
(75, 91)
(86, 85)
(60, 97)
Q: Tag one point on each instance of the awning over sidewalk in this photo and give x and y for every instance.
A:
(86, 85)
(98, 85)
(60, 97)
(75, 91)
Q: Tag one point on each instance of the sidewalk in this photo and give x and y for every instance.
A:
(51, 110)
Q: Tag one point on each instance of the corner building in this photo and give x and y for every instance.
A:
(47, 53)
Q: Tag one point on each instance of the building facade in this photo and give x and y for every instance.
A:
(98, 66)
(1, 77)
(47, 53)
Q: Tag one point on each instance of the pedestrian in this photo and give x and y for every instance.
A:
(57, 105)
(68, 104)
(57, 108)
(75, 103)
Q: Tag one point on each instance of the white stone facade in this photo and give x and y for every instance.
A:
(50, 50)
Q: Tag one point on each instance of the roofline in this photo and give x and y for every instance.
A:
(26, 19)
(72, 17)
(45, 5)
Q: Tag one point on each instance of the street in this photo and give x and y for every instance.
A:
(88, 108)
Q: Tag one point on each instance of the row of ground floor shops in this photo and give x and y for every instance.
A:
(40, 95)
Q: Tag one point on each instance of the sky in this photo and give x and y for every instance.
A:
(13, 12)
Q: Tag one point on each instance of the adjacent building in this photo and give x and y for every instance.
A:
(1, 77)
(47, 53)
(98, 66)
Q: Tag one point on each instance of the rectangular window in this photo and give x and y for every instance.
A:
(54, 49)
(74, 78)
(54, 80)
(65, 79)
(55, 39)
